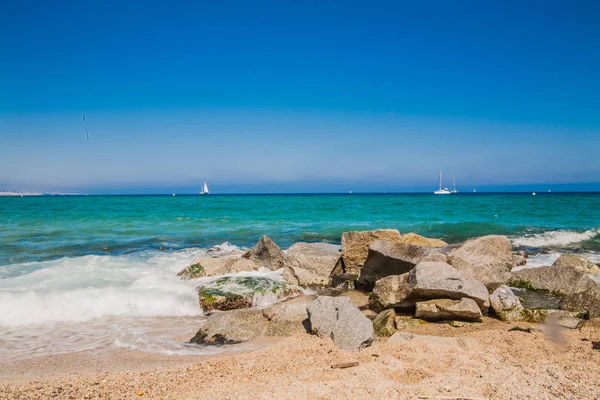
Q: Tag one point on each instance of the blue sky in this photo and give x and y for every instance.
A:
(304, 96)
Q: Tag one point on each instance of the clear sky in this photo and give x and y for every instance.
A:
(299, 96)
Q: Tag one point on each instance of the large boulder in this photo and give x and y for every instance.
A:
(233, 292)
(384, 323)
(438, 280)
(387, 258)
(337, 318)
(506, 305)
(237, 326)
(355, 247)
(427, 281)
(487, 258)
(215, 266)
(559, 280)
(391, 292)
(267, 254)
(312, 262)
(587, 300)
(577, 262)
(447, 309)
(418, 240)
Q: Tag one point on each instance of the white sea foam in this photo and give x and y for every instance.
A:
(547, 259)
(554, 238)
(82, 303)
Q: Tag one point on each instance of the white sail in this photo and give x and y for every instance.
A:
(205, 189)
(454, 184)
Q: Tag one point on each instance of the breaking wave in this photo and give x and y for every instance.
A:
(555, 238)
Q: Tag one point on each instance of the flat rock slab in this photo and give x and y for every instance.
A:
(337, 318)
(447, 309)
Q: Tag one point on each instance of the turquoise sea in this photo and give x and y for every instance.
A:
(91, 272)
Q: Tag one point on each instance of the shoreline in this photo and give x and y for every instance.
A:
(503, 364)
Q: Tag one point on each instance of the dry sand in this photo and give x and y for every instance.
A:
(503, 365)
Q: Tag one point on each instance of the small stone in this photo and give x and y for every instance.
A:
(140, 392)
(383, 324)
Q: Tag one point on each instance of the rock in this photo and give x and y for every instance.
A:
(337, 318)
(438, 280)
(267, 254)
(557, 280)
(287, 319)
(577, 262)
(215, 266)
(233, 292)
(344, 281)
(403, 322)
(405, 338)
(312, 262)
(387, 258)
(383, 324)
(526, 329)
(586, 300)
(446, 309)
(488, 258)
(355, 246)
(519, 260)
(427, 281)
(418, 240)
(506, 305)
(391, 292)
(237, 326)
(232, 327)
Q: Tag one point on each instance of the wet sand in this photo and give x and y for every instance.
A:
(503, 365)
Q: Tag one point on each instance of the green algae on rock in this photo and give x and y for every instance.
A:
(233, 292)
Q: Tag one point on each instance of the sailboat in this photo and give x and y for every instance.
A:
(205, 189)
(441, 190)
(454, 183)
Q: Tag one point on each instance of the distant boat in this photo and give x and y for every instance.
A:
(349, 191)
(205, 189)
(474, 191)
(454, 183)
(442, 190)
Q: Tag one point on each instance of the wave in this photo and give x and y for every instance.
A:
(555, 238)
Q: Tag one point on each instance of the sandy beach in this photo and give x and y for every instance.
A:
(502, 364)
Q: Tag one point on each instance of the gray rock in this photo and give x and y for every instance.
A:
(446, 309)
(387, 258)
(405, 338)
(232, 327)
(391, 292)
(384, 323)
(438, 280)
(558, 280)
(355, 246)
(506, 305)
(237, 326)
(488, 258)
(267, 254)
(312, 262)
(340, 320)
(577, 262)
(587, 300)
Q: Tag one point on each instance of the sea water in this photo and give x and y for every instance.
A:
(87, 272)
